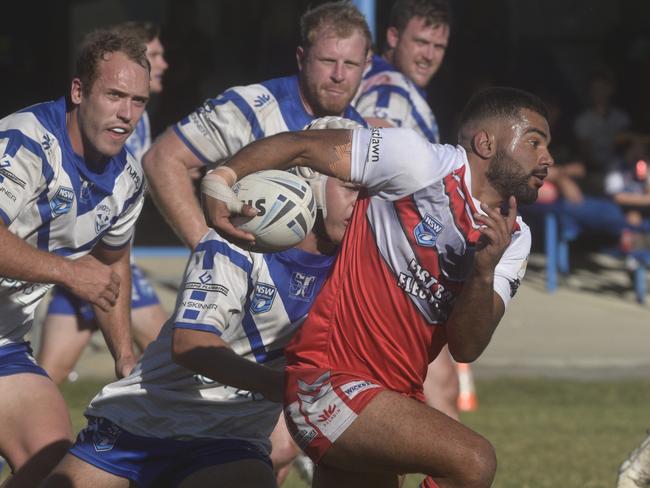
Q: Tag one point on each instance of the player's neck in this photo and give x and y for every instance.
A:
(482, 190)
(315, 245)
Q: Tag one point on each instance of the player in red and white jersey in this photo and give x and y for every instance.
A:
(433, 254)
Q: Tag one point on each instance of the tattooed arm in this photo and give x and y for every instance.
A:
(326, 151)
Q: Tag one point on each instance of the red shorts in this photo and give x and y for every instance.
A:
(320, 404)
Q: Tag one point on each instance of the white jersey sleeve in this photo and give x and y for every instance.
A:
(21, 170)
(222, 126)
(215, 286)
(392, 163)
(512, 265)
(131, 186)
(397, 112)
(121, 233)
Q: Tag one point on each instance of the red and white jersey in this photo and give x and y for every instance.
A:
(406, 254)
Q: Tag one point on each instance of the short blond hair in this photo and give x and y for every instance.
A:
(341, 17)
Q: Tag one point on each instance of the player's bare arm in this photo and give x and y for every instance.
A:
(167, 165)
(115, 322)
(326, 151)
(478, 309)
(209, 355)
(86, 277)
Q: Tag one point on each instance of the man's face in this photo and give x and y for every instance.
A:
(340, 199)
(109, 111)
(419, 49)
(522, 158)
(156, 57)
(330, 71)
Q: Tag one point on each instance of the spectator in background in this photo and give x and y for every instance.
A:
(628, 185)
(597, 131)
(70, 321)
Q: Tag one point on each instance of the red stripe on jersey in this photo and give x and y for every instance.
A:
(459, 195)
(461, 205)
(410, 217)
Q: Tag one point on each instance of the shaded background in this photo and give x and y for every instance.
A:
(550, 47)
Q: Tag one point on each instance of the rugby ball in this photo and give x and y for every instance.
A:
(286, 209)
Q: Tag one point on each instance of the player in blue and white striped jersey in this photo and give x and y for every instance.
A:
(67, 188)
(331, 59)
(70, 322)
(393, 93)
(204, 398)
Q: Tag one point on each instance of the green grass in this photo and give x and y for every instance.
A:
(547, 433)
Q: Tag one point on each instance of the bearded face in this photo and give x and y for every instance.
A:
(508, 177)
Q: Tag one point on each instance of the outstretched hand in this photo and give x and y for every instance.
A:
(220, 204)
(496, 234)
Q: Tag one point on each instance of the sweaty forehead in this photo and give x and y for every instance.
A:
(116, 70)
(534, 121)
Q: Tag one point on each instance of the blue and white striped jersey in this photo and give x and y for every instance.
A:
(240, 115)
(387, 93)
(255, 302)
(52, 200)
(140, 139)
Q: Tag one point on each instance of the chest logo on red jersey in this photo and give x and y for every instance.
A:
(427, 231)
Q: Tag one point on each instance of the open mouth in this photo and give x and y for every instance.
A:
(540, 173)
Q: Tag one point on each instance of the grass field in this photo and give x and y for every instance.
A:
(547, 433)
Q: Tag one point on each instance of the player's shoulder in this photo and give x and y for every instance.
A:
(259, 97)
(133, 171)
(384, 76)
(35, 121)
(213, 247)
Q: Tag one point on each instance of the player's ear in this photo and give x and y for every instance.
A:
(76, 91)
(392, 37)
(484, 144)
(300, 57)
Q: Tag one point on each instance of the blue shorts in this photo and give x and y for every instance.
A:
(65, 303)
(17, 358)
(150, 461)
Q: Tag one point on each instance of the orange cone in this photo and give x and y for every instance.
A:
(467, 400)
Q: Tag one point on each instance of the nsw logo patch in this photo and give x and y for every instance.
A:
(62, 201)
(427, 231)
(263, 298)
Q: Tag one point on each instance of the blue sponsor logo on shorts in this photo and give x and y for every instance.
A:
(427, 231)
(104, 435)
(263, 298)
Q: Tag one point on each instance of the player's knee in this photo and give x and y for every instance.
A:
(479, 465)
(283, 452)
